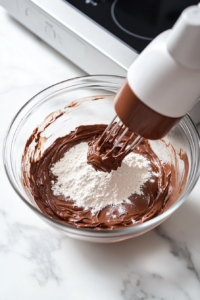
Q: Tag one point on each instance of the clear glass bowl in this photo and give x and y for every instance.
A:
(58, 96)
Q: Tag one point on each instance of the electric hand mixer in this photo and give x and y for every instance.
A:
(161, 86)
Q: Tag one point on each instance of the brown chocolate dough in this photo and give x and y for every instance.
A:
(158, 192)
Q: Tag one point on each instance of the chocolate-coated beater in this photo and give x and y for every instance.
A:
(120, 128)
(107, 152)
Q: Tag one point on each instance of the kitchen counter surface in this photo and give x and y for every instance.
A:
(37, 262)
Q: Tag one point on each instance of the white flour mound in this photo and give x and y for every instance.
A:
(90, 189)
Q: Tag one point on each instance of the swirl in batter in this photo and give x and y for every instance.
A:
(161, 191)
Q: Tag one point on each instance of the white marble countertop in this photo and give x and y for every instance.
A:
(37, 262)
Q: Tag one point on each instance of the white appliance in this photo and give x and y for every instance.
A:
(100, 36)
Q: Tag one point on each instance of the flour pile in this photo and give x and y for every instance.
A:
(90, 189)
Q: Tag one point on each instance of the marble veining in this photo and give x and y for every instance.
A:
(180, 251)
(38, 249)
(150, 286)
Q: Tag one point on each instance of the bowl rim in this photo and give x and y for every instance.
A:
(154, 221)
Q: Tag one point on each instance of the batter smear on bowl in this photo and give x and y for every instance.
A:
(65, 187)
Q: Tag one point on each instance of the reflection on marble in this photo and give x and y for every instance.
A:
(37, 262)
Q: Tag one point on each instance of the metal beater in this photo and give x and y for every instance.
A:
(120, 128)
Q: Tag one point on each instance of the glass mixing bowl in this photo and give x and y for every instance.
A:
(184, 135)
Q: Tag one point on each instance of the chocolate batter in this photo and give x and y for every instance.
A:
(159, 192)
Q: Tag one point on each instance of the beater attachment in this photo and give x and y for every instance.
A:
(120, 128)
(107, 152)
